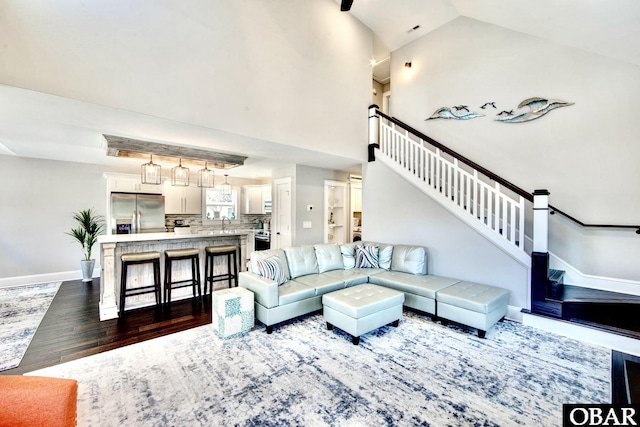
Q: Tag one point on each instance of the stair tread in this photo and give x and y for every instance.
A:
(579, 294)
(556, 275)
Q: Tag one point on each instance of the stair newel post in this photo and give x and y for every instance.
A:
(374, 128)
(540, 254)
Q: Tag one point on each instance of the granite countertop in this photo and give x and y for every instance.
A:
(141, 237)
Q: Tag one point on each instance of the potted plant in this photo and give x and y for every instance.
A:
(89, 227)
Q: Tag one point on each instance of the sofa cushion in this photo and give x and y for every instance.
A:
(329, 257)
(423, 285)
(474, 297)
(385, 252)
(293, 291)
(260, 255)
(322, 283)
(409, 259)
(302, 260)
(271, 268)
(366, 257)
(348, 251)
(354, 276)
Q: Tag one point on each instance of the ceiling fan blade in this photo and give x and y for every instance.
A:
(345, 6)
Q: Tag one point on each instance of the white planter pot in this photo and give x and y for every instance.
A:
(87, 269)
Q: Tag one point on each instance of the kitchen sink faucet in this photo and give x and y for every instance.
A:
(223, 218)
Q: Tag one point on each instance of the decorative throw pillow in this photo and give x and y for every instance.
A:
(271, 268)
(367, 257)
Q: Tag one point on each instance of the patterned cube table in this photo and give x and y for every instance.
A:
(233, 312)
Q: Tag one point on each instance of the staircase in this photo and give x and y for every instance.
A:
(497, 209)
(486, 202)
(604, 310)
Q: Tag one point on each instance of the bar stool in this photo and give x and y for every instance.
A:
(171, 255)
(134, 259)
(211, 252)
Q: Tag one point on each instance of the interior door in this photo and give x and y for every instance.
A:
(281, 236)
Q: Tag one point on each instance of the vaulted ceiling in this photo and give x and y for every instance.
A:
(608, 28)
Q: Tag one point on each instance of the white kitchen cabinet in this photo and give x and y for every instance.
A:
(126, 183)
(256, 199)
(182, 200)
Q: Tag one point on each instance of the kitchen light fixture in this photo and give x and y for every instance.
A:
(205, 177)
(180, 175)
(151, 173)
(226, 187)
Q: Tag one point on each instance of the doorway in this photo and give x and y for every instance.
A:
(281, 236)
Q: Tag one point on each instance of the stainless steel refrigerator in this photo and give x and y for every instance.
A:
(137, 213)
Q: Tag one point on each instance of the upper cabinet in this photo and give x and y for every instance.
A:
(126, 183)
(182, 200)
(256, 199)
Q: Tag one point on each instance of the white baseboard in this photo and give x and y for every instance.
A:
(60, 276)
(575, 277)
(582, 333)
(514, 313)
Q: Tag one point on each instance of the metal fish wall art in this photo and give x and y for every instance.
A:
(531, 109)
(458, 112)
(527, 110)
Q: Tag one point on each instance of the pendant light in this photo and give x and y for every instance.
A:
(180, 176)
(151, 173)
(226, 187)
(205, 177)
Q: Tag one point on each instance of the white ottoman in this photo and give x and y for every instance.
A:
(361, 309)
(232, 312)
(473, 304)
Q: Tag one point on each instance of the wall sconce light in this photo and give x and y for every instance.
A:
(180, 175)
(407, 65)
(151, 173)
(226, 187)
(205, 177)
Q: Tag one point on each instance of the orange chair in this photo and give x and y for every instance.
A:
(37, 401)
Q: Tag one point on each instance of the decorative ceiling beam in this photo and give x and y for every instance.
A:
(118, 146)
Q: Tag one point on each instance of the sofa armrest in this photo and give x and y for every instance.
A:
(265, 290)
(38, 401)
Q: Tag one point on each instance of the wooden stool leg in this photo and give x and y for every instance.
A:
(235, 268)
(229, 269)
(156, 281)
(197, 261)
(123, 287)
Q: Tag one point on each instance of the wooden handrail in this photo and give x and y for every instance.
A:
(519, 191)
(553, 210)
(528, 196)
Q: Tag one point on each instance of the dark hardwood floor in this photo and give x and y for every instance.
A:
(71, 328)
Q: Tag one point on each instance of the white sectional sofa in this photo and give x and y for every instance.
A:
(290, 282)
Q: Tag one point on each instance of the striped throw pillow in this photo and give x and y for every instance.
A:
(367, 257)
(271, 268)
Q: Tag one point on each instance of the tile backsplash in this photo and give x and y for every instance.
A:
(195, 221)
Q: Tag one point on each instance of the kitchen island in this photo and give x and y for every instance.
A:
(114, 245)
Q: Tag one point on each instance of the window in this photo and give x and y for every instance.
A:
(219, 205)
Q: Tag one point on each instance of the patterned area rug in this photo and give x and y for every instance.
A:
(21, 311)
(421, 373)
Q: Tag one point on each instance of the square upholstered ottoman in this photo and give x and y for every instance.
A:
(473, 304)
(233, 312)
(361, 309)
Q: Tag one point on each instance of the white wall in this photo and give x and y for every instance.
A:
(585, 154)
(291, 72)
(309, 189)
(38, 201)
(394, 211)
